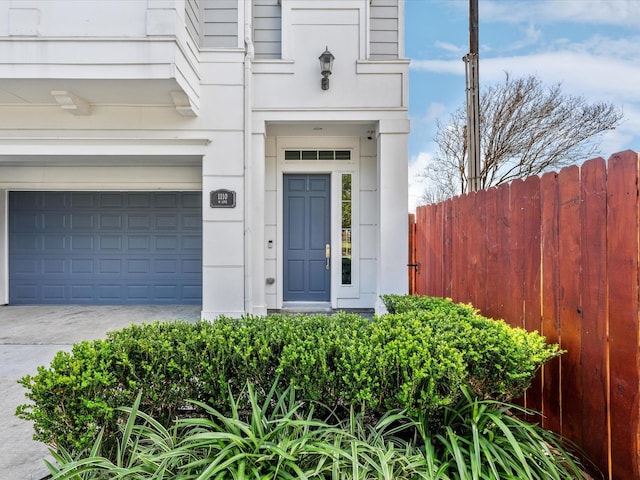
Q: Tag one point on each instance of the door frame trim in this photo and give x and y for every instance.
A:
(324, 295)
(333, 168)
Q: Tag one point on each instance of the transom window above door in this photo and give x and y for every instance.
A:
(317, 155)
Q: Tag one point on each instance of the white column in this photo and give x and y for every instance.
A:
(393, 240)
(4, 248)
(223, 259)
(255, 269)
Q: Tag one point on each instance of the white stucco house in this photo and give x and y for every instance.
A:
(189, 151)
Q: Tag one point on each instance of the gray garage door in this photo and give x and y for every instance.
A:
(105, 248)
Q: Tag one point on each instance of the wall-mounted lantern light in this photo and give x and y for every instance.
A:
(326, 63)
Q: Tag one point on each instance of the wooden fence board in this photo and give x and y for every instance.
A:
(531, 278)
(411, 258)
(437, 252)
(476, 250)
(426, 261)
(570, 308)
(492, 302)
(623, 312)
(559, 254)
(551, 400)
(596, 439)
(515, 275)
(503, 241)
(423, 245)
(459, 289)
(447, 250)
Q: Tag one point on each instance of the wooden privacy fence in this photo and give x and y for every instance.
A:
(558, 254)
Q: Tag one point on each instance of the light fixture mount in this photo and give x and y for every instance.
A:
(326, 65)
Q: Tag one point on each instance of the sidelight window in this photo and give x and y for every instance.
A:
(346, 228)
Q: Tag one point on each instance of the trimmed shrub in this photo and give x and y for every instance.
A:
(415, 360)
(501, 360)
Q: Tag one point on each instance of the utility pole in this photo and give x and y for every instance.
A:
(473, 101)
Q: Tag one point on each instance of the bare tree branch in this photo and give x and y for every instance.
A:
(526, 128)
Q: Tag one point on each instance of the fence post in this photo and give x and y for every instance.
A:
(411, 262)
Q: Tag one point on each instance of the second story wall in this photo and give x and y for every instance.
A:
(384, 30)
(267, 29)
(219, 24)
(384, 22)
(357, 81)
(68, 51)
(72, 18)
(192, 19)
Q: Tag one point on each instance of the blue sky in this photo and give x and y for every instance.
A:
(591, 46)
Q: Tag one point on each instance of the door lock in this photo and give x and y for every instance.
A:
(327, 256)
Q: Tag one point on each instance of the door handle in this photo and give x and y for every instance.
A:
(327, 256)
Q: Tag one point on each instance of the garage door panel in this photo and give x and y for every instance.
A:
(139, 222)
(191, 266)
(139, 200)
(110, 292)
(166, 242)
(79, 243)
(167, 222)
(27, 292)
(53, 292)
(110, 222)
(138, 242)
(26, 244)
(167, 200)
(168, 266)
(54, 266)
(80, 266)
(105, 247)
(55, 221)
(191, 222)
(192, 200)
(191, 242)
(138, 266)
(138, 292)
(110, 267)
(52, 200)
(25, 220)
(110, 200)
(82, 200)
(82, 221)
(81, 293)
(26, 266)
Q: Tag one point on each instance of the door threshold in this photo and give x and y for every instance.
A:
(306, 307)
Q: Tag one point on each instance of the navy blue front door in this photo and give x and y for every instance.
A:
(307, 231)
(105, 247)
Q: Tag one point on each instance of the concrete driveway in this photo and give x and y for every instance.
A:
(30, 336)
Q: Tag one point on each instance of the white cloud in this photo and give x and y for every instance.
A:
(626, 135)
(531, 37)
(597, 12)
(597, 75)
(603, 78)
(604, 66)
(417, 182)
(455, 67)
(614, 141)
(451, 48)
(434, 110)
(627, 47)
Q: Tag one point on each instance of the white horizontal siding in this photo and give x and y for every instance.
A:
(192, 18)
(219, 23)
(383, 24)
(267, 33)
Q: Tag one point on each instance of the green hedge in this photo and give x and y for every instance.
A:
(501, 360)
(415, 360)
